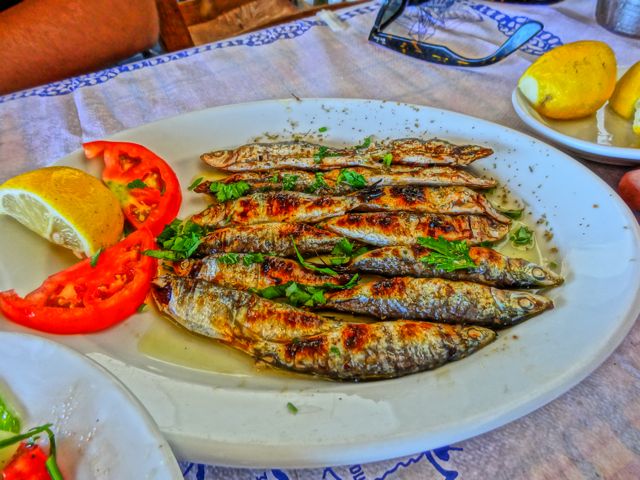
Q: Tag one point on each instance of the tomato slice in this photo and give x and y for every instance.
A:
(147, 187)
(84, 299)
(29, 463)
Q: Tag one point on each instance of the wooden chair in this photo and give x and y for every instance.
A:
(195, 22)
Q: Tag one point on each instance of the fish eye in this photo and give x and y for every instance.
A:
(525, 303)
(219, 153)
(538, 273)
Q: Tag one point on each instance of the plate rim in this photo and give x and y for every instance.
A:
(171, 463)
(627, 154)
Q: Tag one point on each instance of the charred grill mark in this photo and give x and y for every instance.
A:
(162, 292)
(245, 207)
(392, 287)
(282, 205)
(312, 347)
(355, 336)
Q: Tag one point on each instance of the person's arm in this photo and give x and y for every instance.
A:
(46, 40)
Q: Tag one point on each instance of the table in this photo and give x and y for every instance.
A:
(590, 432)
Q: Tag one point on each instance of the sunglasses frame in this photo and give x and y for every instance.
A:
(435, 53)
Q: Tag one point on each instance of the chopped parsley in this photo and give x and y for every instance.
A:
(195, 183)
(446, 255)
(229, 191)
(322, 153)
(323, 129)
(303, 295)
(94, 258)
(514, 213)
(335, 350)
(345, 251)
(366, 143)
(309, 265)
(137, 183)
(522, 237)
(229, 258)
(289, 181)
(141, 308)
(317, 184)
(387, 159)
(178, 240)
(275, 178)
(352, 178)
(251, 258)
(292, 408)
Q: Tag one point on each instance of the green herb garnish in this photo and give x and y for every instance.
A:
(345, 251)
(289, 181)
(251, 258)
(274, 178)
(323, 129)
(365, 143)
(335, 350)
(229, 258)
(387, 159)
(9, 421)
(317, 184)
(229, 191)
(352, 178)
(321, 154)
(447, 255)
(303, 295)
(94, 258)
(311, 266)
(522, 237)
(515, 213)
(292, 408)
(178, 240)
(137, 183)
(142, 308)
(195, 183)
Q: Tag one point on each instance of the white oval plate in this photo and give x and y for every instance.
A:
(102, 431)
(604, 137)
(224, 411)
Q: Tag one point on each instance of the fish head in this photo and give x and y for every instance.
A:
(543, 277)
(521, 305)
(219, 158)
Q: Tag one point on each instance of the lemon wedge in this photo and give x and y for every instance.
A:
(66, 206)
(625, 100)
(570, 81)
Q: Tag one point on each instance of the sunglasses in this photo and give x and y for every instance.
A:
(392, 9)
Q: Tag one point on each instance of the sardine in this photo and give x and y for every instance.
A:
(361, 351)
(286, 337)
(402, 228)
(310, 156)
(413, 198)
(273, 238)
(289, 207)
(271, 271)
(395, 175)
(439, 300)
(492, 267)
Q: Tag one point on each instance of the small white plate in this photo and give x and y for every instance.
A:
(604, 137)
(102, 431)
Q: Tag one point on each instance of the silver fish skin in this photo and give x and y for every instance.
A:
(439, 300)
(414, 198)
(492, 268)
(231, 315)
(360, 352)
(270, 238)
(272, 271)
(289, 207)
(309, 156)
(395, 175)
(403, 228)
(287, 337)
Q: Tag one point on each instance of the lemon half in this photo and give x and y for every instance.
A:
(66, 206)
(625, 100)
(570, 81)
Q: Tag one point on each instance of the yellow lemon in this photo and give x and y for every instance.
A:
(570, 81)
(625, 100)
(66, 206)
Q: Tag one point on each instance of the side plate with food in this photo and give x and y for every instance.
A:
(215, 405)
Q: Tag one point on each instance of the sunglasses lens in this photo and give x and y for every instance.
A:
(390, 9)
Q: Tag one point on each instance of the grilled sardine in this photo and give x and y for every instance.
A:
(309, 156)
(289, 207)
(402, 228)
(271, 271)
(304, 342)
(273, 238)
(360, 351)
(492, 267)
(439, 300)
(413, 198)
(303, 181)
